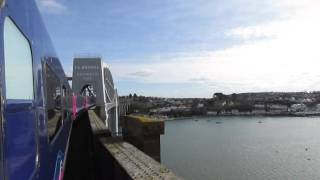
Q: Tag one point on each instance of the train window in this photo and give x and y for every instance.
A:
(18, 63)
(53, 102)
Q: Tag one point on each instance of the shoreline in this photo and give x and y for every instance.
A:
(245, 115)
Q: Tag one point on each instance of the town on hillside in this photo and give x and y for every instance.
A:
(264, 103)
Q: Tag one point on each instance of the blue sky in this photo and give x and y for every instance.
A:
(192, 48)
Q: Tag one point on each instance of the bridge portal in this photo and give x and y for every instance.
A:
(92, 77)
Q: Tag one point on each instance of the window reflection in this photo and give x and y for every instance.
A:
(53, 94)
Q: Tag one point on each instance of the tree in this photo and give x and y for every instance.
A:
(220, 96)
(135, 95)
(130, 95)
(234, 96)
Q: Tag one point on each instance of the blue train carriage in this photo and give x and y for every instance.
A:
(36, 99)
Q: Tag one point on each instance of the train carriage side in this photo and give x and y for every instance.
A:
(35, 97)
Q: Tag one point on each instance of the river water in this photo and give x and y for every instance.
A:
(241, 148)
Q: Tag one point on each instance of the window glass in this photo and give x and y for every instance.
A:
(64, 102)
(18, 63)
(53, 96)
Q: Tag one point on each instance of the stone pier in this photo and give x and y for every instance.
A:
(144, 133)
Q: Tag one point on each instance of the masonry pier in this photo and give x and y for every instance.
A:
(144, 133)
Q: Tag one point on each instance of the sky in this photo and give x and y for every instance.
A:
(192, 48)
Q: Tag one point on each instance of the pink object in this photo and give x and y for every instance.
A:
(61, 171)
(61, 174)
(74, 106)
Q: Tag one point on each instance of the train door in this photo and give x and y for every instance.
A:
(20, 146)
(1, 95)
(1, 122)
(1, 134)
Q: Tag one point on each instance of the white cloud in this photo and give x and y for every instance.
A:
(141, 73)
(269, 30)
(51, 6)
(284, 57)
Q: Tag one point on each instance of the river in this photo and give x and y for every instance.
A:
(241, 148)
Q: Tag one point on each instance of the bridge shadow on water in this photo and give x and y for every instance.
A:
(87, 159)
